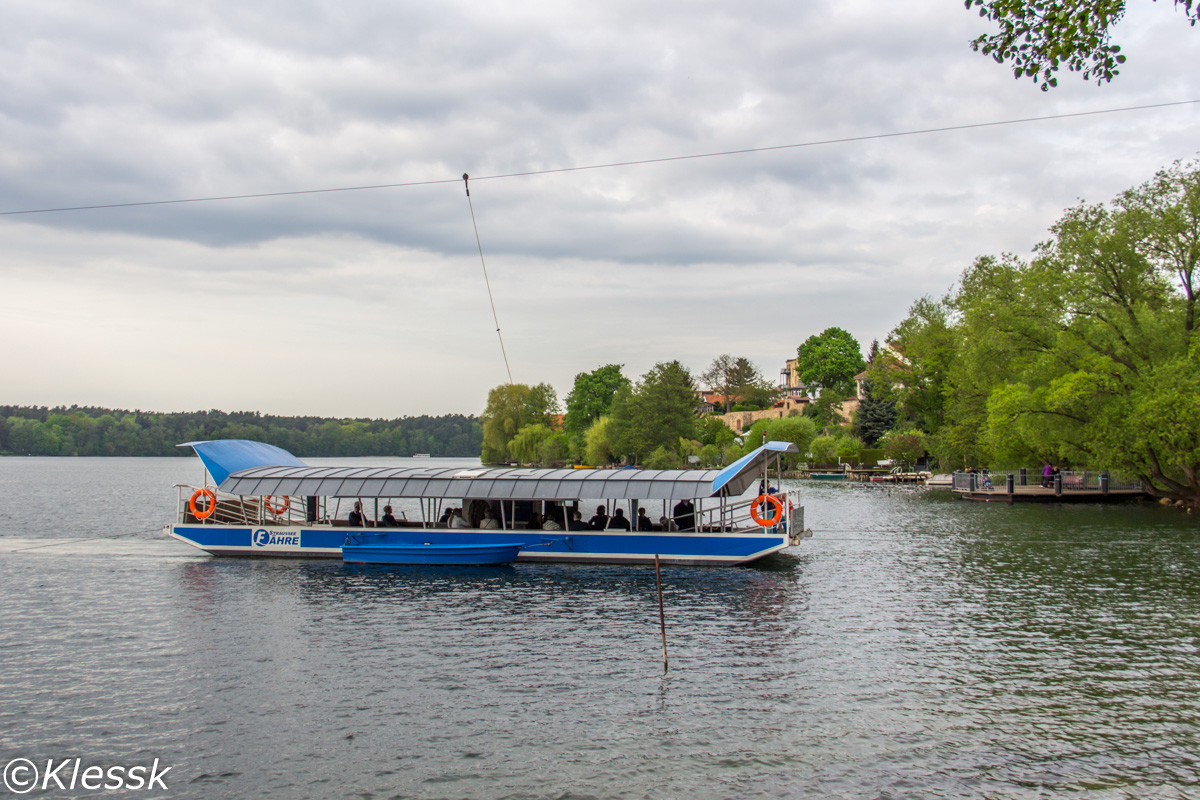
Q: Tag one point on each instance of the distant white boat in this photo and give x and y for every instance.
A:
(420, 455)
(940, 480)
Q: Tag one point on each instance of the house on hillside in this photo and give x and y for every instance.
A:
(709, 402)
(790, 384)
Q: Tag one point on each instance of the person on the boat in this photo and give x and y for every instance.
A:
(667, 524)
(618, 521)
(447, 515)
(389, 521)
(551, 524)
(535, 522)
(643, 522)
(576, 522)
(457, 520)
(489, 521)
(356, 518)
(685, 515)
(599, 520)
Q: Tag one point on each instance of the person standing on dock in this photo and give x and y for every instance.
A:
(1047, 474)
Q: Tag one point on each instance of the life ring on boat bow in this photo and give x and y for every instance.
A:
(281, 508)
(210, 504)
(759, 502)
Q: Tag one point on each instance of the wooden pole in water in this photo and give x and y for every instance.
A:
(662, 619)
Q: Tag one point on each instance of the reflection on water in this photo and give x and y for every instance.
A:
(915, 647)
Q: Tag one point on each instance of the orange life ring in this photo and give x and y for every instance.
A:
(210, 506)
(767, 498)
(277, 510)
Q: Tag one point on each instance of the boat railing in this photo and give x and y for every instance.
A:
(739, 514)
(236, 509)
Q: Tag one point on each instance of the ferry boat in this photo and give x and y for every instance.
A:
(260, 500)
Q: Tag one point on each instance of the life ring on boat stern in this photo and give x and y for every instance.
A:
(773, 500)
(209, 506)
(281, 508)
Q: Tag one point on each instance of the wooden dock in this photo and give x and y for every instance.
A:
(1084, 488)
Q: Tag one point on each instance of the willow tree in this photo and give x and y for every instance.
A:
(1089, 353)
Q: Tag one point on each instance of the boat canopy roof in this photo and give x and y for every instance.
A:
(292, 477)
(225, 456)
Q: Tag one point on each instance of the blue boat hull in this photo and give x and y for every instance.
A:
(597, 547)
(391, 552)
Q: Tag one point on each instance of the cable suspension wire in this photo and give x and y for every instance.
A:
(486, 282)
(639, 162)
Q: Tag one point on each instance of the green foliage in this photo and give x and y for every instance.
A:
(89, 431)
(876, 414)
(869, 457)
(589, 399)
(905, 447)
(1085, 355)
(658, 412)
(914, 369)
(597, 451)
(510, 407)
(662, 458)
(825, 411)
(822, 450)
(526, 446)
(800, 431)
(1036, 38)
(831, 359)
(711, 430)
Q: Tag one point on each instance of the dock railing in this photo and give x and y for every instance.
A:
(996, 480)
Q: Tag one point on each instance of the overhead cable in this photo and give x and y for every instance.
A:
(632, 163)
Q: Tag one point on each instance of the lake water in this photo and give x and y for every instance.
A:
(915, 647)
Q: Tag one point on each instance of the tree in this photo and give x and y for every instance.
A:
(526, 446)
(905, 447)
(735, 379)
(659, 411)
(590, 398)
(597, 450)
(875, 416)
(1036, 38)
(800, 431)
(831, 359)
(1088, 354)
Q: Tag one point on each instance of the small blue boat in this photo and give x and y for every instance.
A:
(395, 548)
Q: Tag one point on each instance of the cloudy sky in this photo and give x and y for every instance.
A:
(373, 302)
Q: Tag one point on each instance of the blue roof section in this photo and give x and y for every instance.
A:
(221, 458)
(746, 468)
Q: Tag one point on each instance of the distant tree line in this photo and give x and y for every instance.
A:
(91, 431)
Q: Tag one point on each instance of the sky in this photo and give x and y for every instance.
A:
(374, 303)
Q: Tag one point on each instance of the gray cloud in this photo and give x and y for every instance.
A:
(748, 253)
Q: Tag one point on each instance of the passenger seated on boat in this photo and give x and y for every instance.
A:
(457, 520)
(388, 521)
(446, 516)
(618, 521)
(600, 520)
(577, 523)
(489, 521)
(667, 524)
(551, 524)
(356, 519)
(643, 522)
(535, 522)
